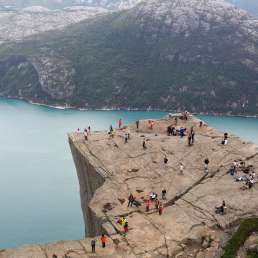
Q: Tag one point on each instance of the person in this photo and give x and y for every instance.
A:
(120, 122)
(201, 124)
(137, 124)
(165, 160)
(54, 256)
(225, 139)
(157, 203)
(89, 129)
(169, 131)
(153, 196)
(85, 134)
(192, 137)
(189, 139)
(126, 137)
(130, 200)
(149, 124)
(147, 205)
(181, 168)
(103, 240)
(221, 209)
(182, 132)
(144, 144)
(126, 227)
(93, 245)
(206, 163)
(163, 194)
(160, 208)
(111, 128)
(78, 130)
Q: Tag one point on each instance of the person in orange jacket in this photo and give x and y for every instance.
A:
(103, 240)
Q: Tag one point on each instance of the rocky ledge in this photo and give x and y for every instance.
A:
(110, 169)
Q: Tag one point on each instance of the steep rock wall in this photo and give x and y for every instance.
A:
(90, 179)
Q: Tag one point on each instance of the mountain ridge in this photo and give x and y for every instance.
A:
(194, 55)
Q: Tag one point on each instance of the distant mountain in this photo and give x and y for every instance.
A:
(248, 5)
(59, 4)
(17, 25)
(198, 55)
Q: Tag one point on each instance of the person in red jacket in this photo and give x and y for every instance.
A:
(103, 240)
(120, 122)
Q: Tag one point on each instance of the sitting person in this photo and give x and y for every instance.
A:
(153, 196)
(221, 209)
(225, 140)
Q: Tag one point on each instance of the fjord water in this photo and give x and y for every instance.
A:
(39, 191)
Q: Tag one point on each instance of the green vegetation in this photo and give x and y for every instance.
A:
(252, 255)
(245, 229)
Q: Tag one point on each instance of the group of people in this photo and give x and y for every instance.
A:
(221, 209)
(249, 179)
(153, 199)
(103, 241)
(86, 133)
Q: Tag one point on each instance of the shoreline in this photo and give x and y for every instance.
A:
(69, 107)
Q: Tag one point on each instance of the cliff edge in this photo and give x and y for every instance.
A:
(110, 169)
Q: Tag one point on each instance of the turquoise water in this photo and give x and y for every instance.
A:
(39, 191)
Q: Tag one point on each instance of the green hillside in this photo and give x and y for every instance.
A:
(127, 59)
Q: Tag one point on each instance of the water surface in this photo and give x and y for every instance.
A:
(39, 191)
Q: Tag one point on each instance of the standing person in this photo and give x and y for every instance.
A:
(189, 139)
(93, 245)
(157, 203)
(192, 138)
(103, 240)
(206, 163)
(89, 129)
(137, 124)
(130, 200)
(126, 137)
(160, 208)
(163, 194)
(147, 205)
(85, 134)
(120, 122)
(181, 168)
(126, 227)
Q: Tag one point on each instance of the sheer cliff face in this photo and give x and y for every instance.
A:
(90, 180)
(197, 55)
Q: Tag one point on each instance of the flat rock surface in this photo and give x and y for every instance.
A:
(189, 215)
(189, 226)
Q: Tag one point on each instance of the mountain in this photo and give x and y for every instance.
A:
(196, 55)
(59, 4)
(248, 5)
(17, 25)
